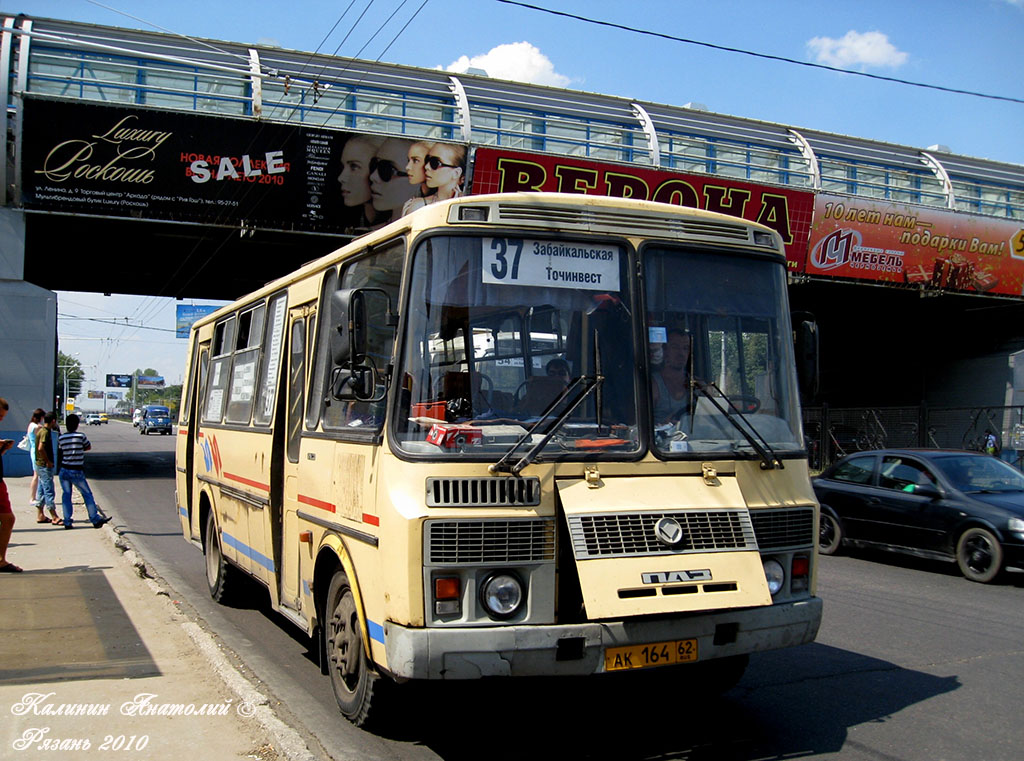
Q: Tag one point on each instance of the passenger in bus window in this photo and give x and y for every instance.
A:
(670, 386)
(354, 180)
(388, 186)
(558, 368)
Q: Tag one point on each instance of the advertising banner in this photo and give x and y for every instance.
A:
(164, 165)
(916, 246)
(119, 381)
(95, 394)
(150, 381)
(117, 395)
(785, 210)
(188, 314)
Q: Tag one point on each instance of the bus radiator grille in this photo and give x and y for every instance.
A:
(475, 542)
(483, 492)
(629, 534)
(783, 529)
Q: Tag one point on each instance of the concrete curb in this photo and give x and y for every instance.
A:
(254, 704)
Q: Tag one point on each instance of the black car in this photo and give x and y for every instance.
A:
(952, 505)
(155, 419)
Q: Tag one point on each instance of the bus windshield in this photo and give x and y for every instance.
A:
(505, 336)
(720, 352)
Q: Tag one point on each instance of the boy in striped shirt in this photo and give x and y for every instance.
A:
(73, 446)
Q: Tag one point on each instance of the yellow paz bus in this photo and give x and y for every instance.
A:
(518, 434)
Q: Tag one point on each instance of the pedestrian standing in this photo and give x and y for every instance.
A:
(46, 456)
(991, 443)
(72, 446)
(6, 512)
(33, 487)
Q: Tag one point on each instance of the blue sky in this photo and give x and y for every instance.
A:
(967, 44)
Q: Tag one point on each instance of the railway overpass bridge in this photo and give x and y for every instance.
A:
(145, 163)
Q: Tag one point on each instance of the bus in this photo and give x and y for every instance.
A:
(378, 440)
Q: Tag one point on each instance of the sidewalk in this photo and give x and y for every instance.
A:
(94, 658)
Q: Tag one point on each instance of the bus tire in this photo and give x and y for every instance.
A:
(221, 576)
(979, 555)
(358, 690)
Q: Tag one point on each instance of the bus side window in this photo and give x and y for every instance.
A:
(382, 270)
(321, 356)
(296, 387)
(220, 370)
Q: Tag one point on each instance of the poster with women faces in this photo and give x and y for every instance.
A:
(381, 179)
(117, 161)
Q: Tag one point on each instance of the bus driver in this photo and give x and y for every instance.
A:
(670, 388)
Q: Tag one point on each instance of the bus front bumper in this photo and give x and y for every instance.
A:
(578, 649)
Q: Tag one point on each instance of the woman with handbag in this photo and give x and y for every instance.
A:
(33, 487)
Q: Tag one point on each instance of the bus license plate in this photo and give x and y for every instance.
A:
(653, 654)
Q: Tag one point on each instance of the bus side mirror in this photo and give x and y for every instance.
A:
(807, 357)
(357, 383)
(348, 314)
(355, 377)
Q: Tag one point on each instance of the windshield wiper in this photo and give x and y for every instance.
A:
(591, 384)
(769, 460)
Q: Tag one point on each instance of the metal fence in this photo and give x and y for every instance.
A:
(835, 432)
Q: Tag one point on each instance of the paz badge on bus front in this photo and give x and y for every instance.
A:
(676, 577)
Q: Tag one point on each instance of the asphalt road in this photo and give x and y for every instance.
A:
(912, 662)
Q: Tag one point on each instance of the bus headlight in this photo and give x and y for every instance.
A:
(774, 574)
(502, 594)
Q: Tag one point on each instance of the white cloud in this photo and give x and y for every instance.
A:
(518, 61)
(856, 48)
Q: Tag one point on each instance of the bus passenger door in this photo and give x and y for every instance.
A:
(295, 399)
(184, 446)
(190, 451)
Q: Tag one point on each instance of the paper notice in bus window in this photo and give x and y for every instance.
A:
(550, 264)
(243, 382)
(213, 408)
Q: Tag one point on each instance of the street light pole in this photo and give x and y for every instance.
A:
(64, 401)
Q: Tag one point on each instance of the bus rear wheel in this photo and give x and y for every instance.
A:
(221, 577)
(358, 690)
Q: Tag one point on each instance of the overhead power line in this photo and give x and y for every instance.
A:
(119, 321)
(766, 56)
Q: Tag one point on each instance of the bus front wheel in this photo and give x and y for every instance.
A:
(358, 690)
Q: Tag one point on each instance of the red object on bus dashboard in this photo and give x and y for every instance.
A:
(454, 436)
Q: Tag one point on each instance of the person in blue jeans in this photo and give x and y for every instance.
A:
(46, 457)
(73, 445)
